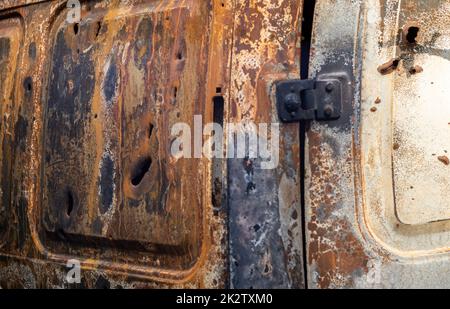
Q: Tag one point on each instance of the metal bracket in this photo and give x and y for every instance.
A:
(311, 99)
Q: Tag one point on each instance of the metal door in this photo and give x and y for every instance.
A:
(92, 177)
(377, 198)
(87, 109)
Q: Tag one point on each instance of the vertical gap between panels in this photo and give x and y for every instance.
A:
(307, 29)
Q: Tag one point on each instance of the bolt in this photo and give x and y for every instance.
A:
(329, 87)
(328, 110)
(292, 102)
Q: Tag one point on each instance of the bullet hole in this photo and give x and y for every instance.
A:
(378, 101)
(76, 28)
(175, 92)
(179, 56)
(99, 27)
(150, 130)
(95, 116)
(396, 146)
(140, 170)
(415, 70)
(373, 109)
(411, 34)
(256, 228)
(250, 188)
(28, 85)
(70, 203)
(389, 67)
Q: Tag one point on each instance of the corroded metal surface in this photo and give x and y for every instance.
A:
(377, 201)
(9, 4)
(87, 174)
(264, 205)
(90, 127)
(11, 35)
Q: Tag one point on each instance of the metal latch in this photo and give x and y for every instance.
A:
(311, 99)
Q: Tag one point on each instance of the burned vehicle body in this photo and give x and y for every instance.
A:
(358, 198)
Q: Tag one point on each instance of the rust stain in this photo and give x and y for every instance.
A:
(444, 159)
(333, 250)
(416, 70)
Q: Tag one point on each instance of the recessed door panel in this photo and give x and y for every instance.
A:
(117, 85)
(421, 113)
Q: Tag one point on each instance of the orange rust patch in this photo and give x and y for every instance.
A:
(333, 248)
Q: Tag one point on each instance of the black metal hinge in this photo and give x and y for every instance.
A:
(311, 99)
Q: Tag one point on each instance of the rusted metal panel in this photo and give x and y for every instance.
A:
(264, 205)
(109, 179)
(89, 145)
(376, 179)
(11, 35)
(93, 177)
(9, 4)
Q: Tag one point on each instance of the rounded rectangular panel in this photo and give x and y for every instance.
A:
(118, 81)
(405, 126)
(11, 33)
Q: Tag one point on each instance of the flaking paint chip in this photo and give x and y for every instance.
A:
(389, 67)
(416, 69)
(444, 159)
